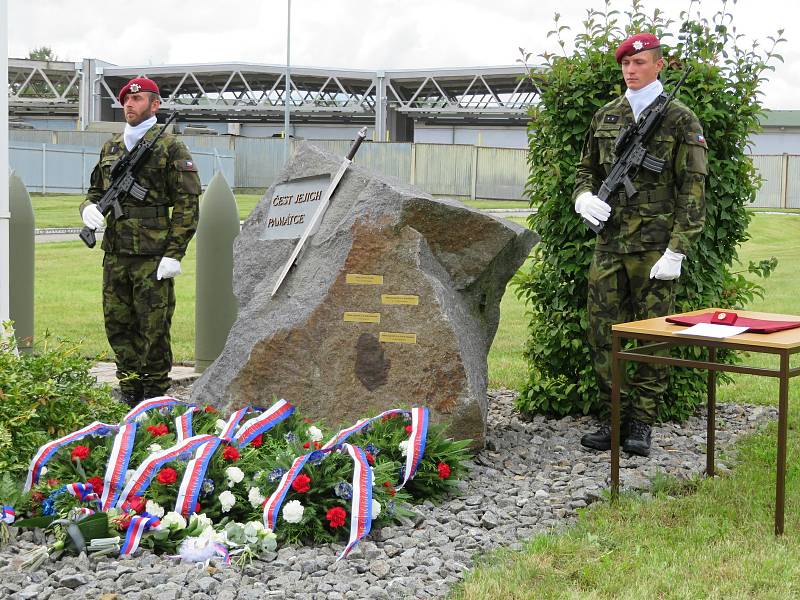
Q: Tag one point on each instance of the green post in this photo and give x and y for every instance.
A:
(215, 304)
(21, 254)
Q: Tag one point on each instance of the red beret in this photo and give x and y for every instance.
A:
(635, 44)
(137, 84)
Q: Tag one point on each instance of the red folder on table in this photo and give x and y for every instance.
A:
(753, 325)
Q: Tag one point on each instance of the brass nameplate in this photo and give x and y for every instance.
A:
(362, 317)
(357, 279)
(405, 299)
(397, 338)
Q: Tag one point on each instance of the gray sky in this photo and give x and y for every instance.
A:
(364, 34)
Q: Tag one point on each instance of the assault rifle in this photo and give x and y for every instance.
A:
(123, 181)
(631, 151)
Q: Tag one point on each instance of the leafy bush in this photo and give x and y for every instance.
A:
(723, 91)
(44, 395)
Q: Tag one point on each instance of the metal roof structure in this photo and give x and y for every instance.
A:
(241, 92)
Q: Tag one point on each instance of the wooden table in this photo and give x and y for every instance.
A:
(658, 334)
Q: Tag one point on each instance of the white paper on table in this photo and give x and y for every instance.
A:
(712, 330)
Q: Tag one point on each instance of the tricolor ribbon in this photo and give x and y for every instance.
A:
(140, 480)
(222, 551)
(251, 428)
(193, 477)
(233, 422)
(84, 492)
(8, 515)
(359, 425)
(82, 512)
(151, 404)
(138, 525)
(416, 442)
(117, 465)
(183, 424)
(272, 506)
(47, 451)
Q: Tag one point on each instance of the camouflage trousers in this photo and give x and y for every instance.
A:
(620, 290)
(138, 314)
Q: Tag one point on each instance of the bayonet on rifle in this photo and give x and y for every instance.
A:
(323, 206)
(632, 152)
(123, 181)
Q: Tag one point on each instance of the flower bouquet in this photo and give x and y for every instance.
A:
(180, 479)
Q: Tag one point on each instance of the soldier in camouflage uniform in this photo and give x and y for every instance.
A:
(639, 252)
(143, 249)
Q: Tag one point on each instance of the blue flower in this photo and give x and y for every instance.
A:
(390, 508)
(372, 449)
(316, 457)
(185, 456)
(290, 437)
(344, 490)
(48, 505)
(207, 487)
(164, 411)
(276, 474)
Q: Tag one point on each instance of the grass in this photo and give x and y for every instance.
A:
(715, 542)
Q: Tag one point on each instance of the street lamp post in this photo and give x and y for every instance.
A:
(288, 93)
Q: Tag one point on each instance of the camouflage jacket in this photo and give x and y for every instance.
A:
(165, 221)
(669, 210)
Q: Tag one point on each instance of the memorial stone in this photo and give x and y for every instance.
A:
(393, 302)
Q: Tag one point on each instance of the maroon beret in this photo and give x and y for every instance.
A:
(137, 84)
(635, 44)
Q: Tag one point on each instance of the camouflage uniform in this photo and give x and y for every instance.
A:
(668, 212)
(138, 308)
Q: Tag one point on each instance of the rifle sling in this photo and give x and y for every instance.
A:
(144, 212)
(644, 196)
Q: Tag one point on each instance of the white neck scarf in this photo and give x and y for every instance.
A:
(131, 135)
(644, 97)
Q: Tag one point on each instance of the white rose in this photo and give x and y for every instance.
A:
(403, 447)
(293, 511)
(153, 448)
(220, 425)
(315, 433)
(201, 520)
(43, 472)
(253, 529)
(376, 508)
(154, 509)
(255, 497)
(227, 500)
(173, 520)
(234, 474)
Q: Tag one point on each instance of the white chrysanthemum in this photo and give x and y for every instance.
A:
(376, 508)
(43, 472)
(253, 529)
(154, 509)
(220, 425)
(227, 500)
(174, 521)
(234, 474)
(201, 521)
(293, 511)
(255, 497)
(315, 433)
(403, 447)
(153, 448)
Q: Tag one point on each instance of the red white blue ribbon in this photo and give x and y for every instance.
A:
(183, 424)
(272, 506)
(416, 443)
(251, 428)
(117, 465)
(233, 422)
(138, 525)
(140, 480)
(151, 404)
(8, 515)
(222, 551)
(84, 492)
(361, 507)
(46, 452)
(359, 425)
(192, 480)
(83, 512)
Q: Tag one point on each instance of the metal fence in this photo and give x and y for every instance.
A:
(61, 161)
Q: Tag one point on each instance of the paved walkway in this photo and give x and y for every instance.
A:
(106, 373)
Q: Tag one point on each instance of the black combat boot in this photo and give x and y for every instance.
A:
(598, 440)
(130, 397)
(638, 440)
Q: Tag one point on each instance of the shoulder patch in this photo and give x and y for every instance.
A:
(611, 119)
(185, 165)
(696, 138)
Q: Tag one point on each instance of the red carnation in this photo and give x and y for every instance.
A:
(230, 453)
(53, 482)
(307, 420)
(408, 429)
(137, 504)
(167, 475)
(370, 458)
(317, 445)
(97, 484)
(197, 507)
(37, 496)
(257, 441)
(209, 409)
(301, 484)
(157, 430)
(80, 452)
(444, 470)
(336, 516)
(307, 445)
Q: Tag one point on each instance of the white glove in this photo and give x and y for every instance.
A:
(168, 268)
(591, 208)
(92, 217)
(668, 266)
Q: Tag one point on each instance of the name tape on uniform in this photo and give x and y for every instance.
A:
(405, 299)
(362, 317)
(359, 279)
(397, 337)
